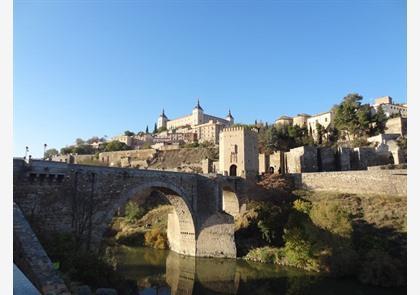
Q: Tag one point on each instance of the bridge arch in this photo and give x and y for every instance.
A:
(181, 225)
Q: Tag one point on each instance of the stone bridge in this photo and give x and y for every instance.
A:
(82, 200)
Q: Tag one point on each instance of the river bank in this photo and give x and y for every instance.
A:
(331, 237)
(165, 272)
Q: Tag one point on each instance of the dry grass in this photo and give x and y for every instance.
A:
(185, 159)
(381, 211)
(155, 238)
(136, 233)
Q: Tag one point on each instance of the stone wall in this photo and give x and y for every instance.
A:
(326, 159)
(382, 182)
(302, 159)
(312, 159)
(32, 259)
(396, 126)
(362, 157)
(114, 158)
(263, 163)
(344, 158)
(275, 161)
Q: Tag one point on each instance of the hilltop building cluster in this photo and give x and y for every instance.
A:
(238, 146)
(195, 127)
(326, 119)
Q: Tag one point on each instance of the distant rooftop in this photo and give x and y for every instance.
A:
(284, 118)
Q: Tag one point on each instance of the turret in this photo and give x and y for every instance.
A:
(198, 114)
(162, 120)
(229, 118)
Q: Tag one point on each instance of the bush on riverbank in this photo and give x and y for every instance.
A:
(261, 224)
(332, 234)
(156, 238)
(265, 255)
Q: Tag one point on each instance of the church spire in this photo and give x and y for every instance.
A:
(229, 116)
(198, 104)
(163, 113)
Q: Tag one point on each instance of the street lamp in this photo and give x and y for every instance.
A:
(45, 150)
(26, 151)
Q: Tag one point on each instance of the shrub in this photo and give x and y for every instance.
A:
(271, 220)
(132, 211)
(331, 217)
(302, 206)
(265, 254)
(156, 239)
(298, 250)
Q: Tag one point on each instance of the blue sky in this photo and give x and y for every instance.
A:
(85, 68)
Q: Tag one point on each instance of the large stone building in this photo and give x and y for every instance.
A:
(389, 107)
(208, 131)
(134, 141)
(300, 120)
(207, 127)
(284, 121)
(238, 152)
(323, 119)
(197, 117)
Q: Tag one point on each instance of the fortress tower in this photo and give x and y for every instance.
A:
(238, 152)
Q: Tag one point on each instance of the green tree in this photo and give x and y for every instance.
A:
(320, 132)
(50, 153)
(147, 129)
(351, 118)
(66, 150)
(299, 136)
(115, 145)
(79, 141)
(155, 129)
(129, 133)
(132, 211)
(380, 120)
(93, 139)
(84, 149)
(364, 120)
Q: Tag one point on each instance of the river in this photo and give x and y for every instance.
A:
(165, 272)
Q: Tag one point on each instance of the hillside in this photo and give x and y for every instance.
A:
(185, 159)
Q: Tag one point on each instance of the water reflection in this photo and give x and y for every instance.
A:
(166, 272)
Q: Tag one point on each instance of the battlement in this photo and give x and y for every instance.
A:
(238, 128)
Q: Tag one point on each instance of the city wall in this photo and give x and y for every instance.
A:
(382, 182)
